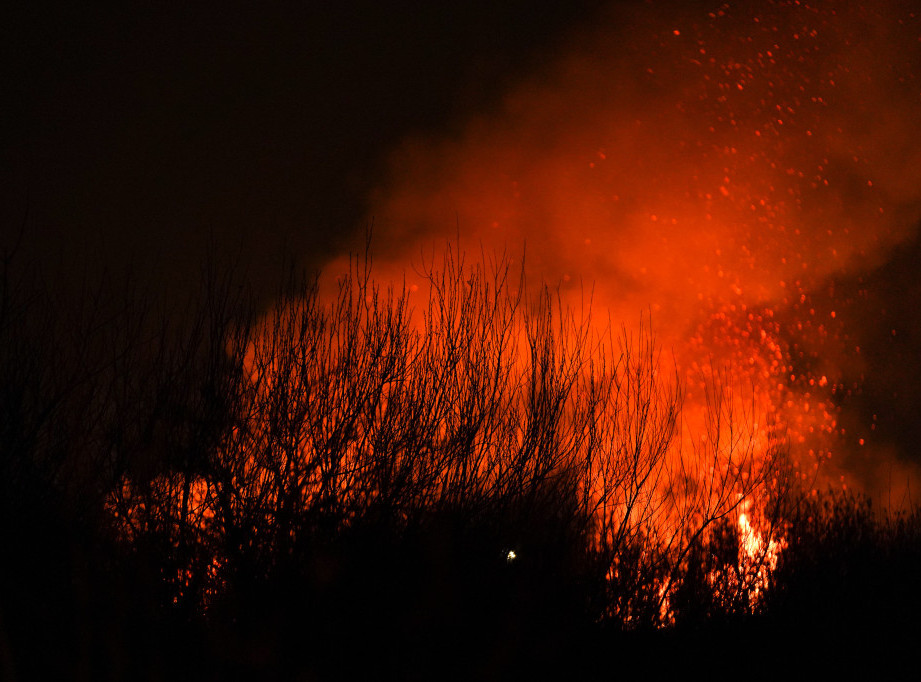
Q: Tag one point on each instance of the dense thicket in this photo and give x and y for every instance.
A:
(472, 473)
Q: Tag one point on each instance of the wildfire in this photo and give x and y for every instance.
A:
(712, 173)
(716, 170)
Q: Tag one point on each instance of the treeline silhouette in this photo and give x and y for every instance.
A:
(469, 481)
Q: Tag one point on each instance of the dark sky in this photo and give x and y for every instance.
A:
(145, 133)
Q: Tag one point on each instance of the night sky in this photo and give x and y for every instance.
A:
(147, 134)
(774, 144)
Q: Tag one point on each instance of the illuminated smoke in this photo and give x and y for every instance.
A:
(716, 166)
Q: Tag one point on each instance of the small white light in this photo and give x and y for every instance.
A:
(511, 556)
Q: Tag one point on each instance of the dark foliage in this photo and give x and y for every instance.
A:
(348, 486)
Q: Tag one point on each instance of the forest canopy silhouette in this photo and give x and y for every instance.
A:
(478, 474)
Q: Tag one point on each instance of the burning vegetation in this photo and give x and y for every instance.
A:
(491, 478)
(503, 411)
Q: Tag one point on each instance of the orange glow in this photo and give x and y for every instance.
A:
(713, 183)
(703, 187)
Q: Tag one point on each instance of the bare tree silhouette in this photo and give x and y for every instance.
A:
(475, 472)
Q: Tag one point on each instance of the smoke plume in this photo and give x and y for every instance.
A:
(735, 170)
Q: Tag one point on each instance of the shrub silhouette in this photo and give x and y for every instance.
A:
(481, 475)
(847, 566)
